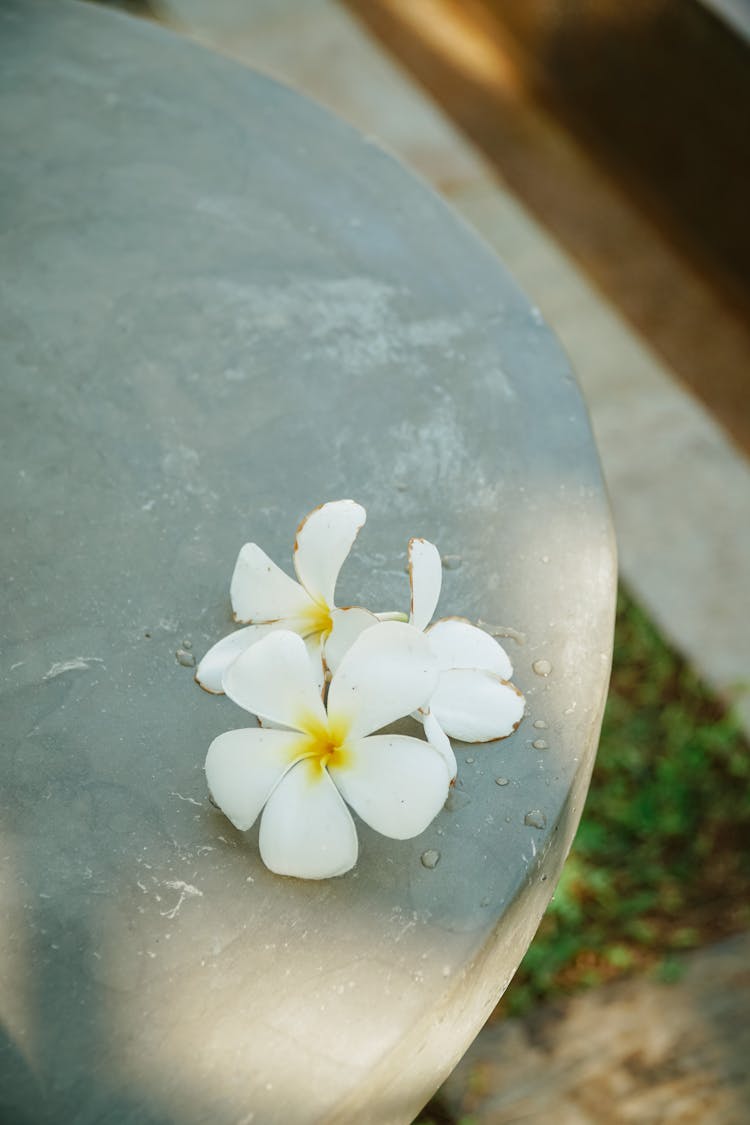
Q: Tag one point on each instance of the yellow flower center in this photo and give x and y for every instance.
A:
(316, 618)
(323, 746)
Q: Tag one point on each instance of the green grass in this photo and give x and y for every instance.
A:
(661, 862)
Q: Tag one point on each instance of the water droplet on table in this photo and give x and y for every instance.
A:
(451, 562)
(540, 724)
(540, 744)
(535, 819)
(430, 858)
(502, 781)
(542, 667)
(185, 658)
(469, 761)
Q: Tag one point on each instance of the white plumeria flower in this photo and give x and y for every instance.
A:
(266, 599)
(473, 700)
(299, 776)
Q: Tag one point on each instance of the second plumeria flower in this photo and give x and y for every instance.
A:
(474, 700)
(266, 599)
(300, 776)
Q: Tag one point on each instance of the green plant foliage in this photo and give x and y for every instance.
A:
(661, 861)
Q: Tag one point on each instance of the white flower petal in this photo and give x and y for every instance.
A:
(214, 664)
(395, 783)
(261, 592)
(274, 678)
(243, 766)
(324, 539)
(269, 724)
(314, 646)
(306, 829)
(387, 673)
(347, 626)
(459, 644)
(476, 706)
(438, 739)
(425, 579)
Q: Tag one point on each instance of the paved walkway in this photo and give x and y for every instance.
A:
(633, 1053)
(530, 91)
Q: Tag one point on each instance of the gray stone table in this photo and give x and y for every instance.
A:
(221, 306)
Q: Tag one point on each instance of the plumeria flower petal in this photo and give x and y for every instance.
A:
(397, 784)
(244, 766)
(473, 702)
(210, 672)
(261, 592)
(324, 540)
(211, 668)
(274, 679)
(313, 646)
(346, 626)
(476, 706)
(386, 668)
(459, 644)
(437, 738)
(425, 580)
(265, 597)
(307, 830)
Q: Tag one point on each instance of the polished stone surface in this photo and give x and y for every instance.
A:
(220, 307)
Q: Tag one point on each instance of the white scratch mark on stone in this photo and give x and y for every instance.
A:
(187, 890)
(404, 930)
(76, 664)
(190, 800)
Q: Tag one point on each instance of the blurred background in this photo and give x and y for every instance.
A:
(603, 149)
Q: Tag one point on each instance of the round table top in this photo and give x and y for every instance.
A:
(222, 306)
